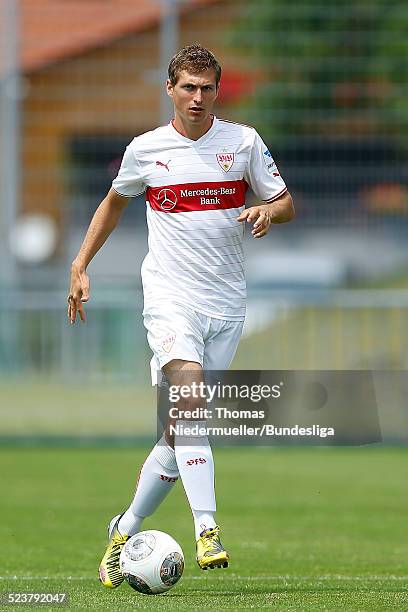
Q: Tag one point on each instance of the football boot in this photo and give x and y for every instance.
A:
(210, 551)
(109, 570)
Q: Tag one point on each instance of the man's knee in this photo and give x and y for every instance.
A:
(186, 387)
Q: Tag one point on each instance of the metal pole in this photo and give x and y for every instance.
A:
(169, 40)
(10, 84)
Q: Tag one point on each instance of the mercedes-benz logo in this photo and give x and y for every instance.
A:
(167, 199)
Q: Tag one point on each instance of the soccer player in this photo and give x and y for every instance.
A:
(197, 173)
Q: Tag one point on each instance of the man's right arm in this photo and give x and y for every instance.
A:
(103, 222)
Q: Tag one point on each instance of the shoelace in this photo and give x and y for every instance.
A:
(117, 542)
(211, 540)
(210, 532)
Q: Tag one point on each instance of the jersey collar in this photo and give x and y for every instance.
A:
(203, 138)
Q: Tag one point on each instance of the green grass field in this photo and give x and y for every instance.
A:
(307, 528)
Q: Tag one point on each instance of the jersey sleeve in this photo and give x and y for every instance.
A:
(262, 174)
(129, 181)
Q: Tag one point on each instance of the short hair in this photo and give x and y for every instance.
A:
(195, 59)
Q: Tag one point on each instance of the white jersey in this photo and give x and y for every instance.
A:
(195, 190)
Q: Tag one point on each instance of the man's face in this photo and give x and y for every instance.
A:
(194, 95)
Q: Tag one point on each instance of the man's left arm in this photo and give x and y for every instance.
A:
(263, 215)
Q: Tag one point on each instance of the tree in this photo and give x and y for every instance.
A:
(327, 67)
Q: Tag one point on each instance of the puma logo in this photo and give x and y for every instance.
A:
(159, 163)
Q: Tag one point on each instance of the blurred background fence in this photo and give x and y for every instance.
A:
(317, 330)
(325, 84)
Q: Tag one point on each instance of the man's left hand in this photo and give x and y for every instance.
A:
(264, 215)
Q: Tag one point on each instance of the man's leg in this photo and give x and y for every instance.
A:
(195, 461)
(177, 331)
(193, 453)
(156, 479)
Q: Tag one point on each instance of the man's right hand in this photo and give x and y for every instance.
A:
(78, 293)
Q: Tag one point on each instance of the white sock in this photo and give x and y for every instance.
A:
(196, 467)
(156, 479)
(202, 521)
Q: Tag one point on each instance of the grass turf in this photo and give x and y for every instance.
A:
(307, 528)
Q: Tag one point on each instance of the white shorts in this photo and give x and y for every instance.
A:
(175, 331)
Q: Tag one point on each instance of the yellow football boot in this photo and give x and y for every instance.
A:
(210, 551)
(109, 570)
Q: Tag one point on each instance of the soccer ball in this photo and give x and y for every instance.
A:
(151, 562)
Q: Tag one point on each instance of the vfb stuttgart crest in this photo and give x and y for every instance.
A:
(225, 160)
(167, 343)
